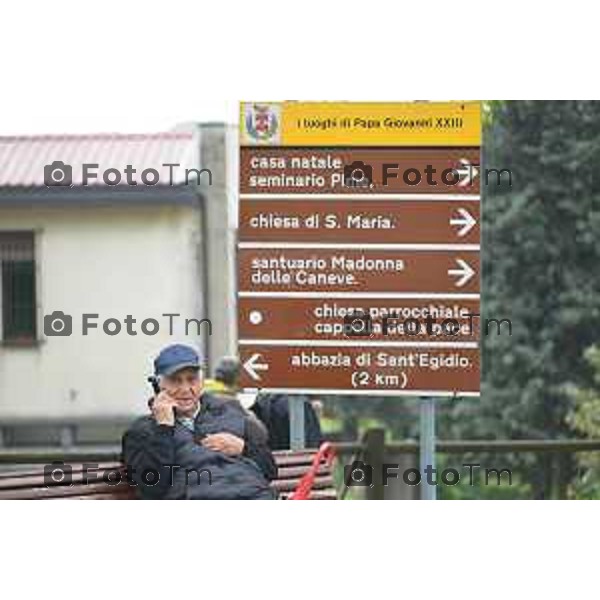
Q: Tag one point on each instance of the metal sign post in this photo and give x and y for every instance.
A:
(297, 436)
(427, 445)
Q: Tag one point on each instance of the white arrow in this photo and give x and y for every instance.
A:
(467, 173)
(465, 272)
(252, 366)
(467, 222)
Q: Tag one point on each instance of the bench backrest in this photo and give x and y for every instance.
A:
(109, 482)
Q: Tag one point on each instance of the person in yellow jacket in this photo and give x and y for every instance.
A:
(216, 386)
(226, 378)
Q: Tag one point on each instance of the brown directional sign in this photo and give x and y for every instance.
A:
(385, 319)
(391, 369)
(368, 270)
(339, 171)
(382, 221)
(358, 266)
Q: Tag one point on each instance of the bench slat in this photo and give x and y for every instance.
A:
(96, 497)
(289, 485)
(298, 472)
(60, 491)
(284, 459)
(315, 495)
(76, 468)
(38, 480)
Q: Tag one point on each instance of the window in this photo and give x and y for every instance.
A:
(17, 286)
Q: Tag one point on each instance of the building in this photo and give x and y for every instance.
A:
(109, 250)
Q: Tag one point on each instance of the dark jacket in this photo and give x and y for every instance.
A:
(152, 451)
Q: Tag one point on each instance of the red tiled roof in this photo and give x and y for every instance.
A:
(23, 158)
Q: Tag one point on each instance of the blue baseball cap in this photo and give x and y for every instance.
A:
(174, 358)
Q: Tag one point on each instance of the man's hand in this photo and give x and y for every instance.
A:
(163, 409)
(229, 444)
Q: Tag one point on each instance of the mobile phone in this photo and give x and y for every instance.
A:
(154, 383)
(156, 387)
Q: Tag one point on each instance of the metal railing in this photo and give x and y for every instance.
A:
(373, 440)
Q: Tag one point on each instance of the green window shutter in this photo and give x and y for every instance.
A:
(18, 300)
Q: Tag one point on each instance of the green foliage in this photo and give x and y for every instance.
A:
(475, 487)
(585, 419)
(540, 250)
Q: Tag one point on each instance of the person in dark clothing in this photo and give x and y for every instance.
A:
(196, 446)
(274, 411)
(271, 409)
(221, 413)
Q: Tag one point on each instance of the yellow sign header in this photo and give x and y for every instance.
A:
(360, 124)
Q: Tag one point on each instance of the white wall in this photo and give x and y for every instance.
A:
(115, 261)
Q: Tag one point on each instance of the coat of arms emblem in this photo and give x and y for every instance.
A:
(262, 123)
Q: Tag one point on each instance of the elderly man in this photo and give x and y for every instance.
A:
(194, 446)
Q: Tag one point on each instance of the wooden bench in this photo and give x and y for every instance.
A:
(29, 484)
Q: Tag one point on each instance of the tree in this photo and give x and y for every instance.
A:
(540, 254)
